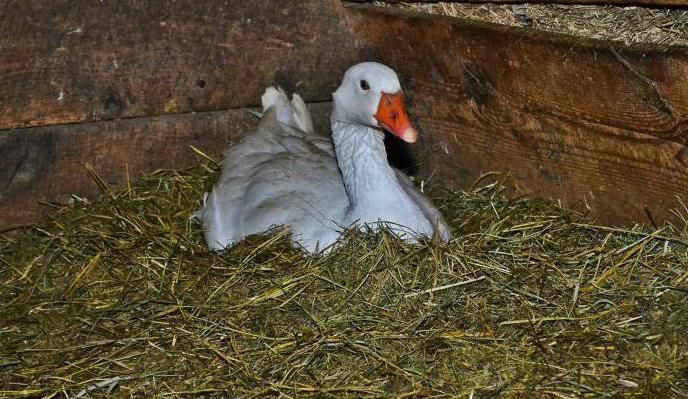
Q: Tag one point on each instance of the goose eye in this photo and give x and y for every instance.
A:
(364, 84)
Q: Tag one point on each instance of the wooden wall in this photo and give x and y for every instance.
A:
(126, 86)
(598, 126)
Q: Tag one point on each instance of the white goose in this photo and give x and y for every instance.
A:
(283, 173)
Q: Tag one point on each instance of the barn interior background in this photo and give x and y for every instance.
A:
(584, 106)
(593, 124)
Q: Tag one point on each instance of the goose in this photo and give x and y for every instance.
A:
(285, 174)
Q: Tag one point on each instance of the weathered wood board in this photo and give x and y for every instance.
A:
(572, 119)
(72, 61)
(74, 65)
(47, 164)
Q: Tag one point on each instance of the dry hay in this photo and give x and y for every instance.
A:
(629, 25)
(120, 298)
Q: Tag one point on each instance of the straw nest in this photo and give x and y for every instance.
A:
(629, 25)
(121, 298)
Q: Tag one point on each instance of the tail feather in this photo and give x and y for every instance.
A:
(301, 114)
(293, 113)
(274, 96)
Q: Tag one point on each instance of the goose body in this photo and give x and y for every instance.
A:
(284, 173)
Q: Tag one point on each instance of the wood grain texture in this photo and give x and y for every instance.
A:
(47, 163)
(622, 3)
(73, 61)
(573, 120)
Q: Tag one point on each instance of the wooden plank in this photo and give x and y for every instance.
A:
(47, 163)
(573, 120)
(71, 61)
(621, 3)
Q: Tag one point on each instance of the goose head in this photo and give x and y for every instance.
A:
(370, 95)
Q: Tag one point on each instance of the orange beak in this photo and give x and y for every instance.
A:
(391, 116)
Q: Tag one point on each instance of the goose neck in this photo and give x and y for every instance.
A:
(368, 178)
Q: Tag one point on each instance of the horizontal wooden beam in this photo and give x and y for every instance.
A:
(621, 3)
(573, 120)
(74, 61)
(47, 164)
